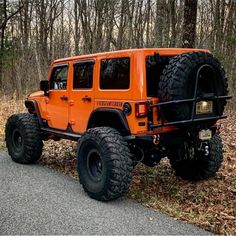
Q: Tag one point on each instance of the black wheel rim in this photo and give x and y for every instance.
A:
(17, 140)
(94, 165)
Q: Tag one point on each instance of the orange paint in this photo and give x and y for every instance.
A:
(74, 106)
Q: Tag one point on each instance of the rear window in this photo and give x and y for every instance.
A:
(154, 70)
(115, 73)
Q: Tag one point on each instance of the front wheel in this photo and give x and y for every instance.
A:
(23, 138)
(104, 163)
(191, 164)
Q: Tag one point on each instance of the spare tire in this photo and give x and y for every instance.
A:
(178, 80)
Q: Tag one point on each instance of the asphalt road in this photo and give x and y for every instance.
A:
(37, 200)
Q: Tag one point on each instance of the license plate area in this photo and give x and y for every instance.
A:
(205, 134)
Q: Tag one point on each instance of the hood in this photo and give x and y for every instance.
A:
(36, 94)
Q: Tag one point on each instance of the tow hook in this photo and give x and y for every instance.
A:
(156, 139)
(206, 150)
(204, 147)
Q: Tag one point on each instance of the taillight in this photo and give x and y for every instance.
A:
(141, 109)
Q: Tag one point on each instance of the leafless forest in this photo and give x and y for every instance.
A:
(33, 33)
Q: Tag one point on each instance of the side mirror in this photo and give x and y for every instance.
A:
(44, 86)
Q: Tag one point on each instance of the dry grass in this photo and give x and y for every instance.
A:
(7, 108)
(209, 204)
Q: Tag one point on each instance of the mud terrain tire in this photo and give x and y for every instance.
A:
(178, 81)
(104, 163)
(201, 167)
(23, 138)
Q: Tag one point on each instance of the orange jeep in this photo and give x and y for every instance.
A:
(126, 107)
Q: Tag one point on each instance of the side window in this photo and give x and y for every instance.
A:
(83, 75)
(58, 78)
(115, 73)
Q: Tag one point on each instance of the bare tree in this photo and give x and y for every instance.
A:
(6, 16)
(190, 20)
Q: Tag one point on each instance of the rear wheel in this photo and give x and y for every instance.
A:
(104, 163)
(23, 138)
(191, 164)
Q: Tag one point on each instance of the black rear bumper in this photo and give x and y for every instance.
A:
(193, 119)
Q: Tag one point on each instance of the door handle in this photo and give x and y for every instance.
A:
(65, 98)
(86, 99)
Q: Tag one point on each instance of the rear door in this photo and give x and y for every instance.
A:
(82, 95)
(57, 102)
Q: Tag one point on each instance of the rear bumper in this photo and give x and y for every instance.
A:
(193, 119)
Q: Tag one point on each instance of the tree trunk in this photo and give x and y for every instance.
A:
(190, 20)
(173, 23)
(3, 26)
(76, 28)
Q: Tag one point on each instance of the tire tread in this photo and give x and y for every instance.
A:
(119, 162)
(33, 143)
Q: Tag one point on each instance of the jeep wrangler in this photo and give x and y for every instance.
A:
(126, 107)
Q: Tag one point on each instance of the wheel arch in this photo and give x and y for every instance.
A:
(113, 118)
(32, 107)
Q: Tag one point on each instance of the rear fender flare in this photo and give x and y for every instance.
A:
(108, 111)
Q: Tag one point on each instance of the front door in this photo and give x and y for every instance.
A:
(81, 100)
(57, 102)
